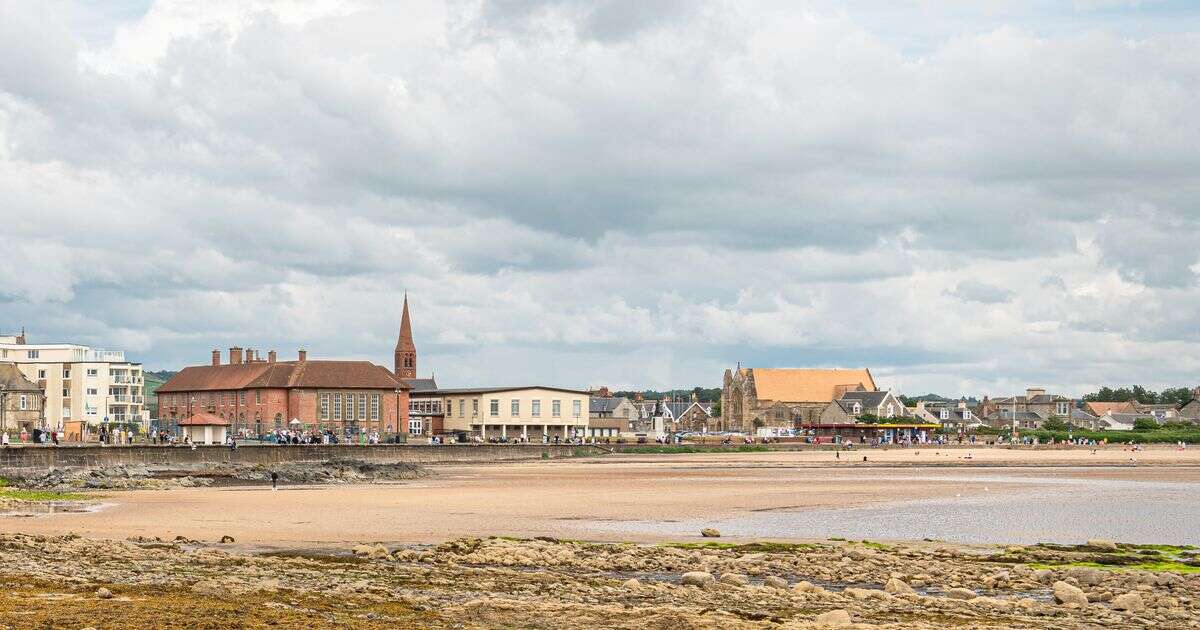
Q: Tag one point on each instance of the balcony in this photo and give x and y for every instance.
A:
(126, 399)
(94, 356)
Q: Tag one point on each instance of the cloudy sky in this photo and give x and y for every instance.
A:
(622, 192)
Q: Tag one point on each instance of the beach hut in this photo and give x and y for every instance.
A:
(205, 428)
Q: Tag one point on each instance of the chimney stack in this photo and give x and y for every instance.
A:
(270, 356)
(235, 355)
(303, 354)
(250, 355)
(216, 357)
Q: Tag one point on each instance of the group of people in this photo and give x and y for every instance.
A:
(37, 437)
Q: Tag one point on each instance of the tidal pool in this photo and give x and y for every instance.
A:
(1013, 509)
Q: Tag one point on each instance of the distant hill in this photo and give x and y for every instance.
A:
(161, 376)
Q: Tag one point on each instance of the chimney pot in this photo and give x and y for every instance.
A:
(303, 354)
(270, 356)
(216, 357)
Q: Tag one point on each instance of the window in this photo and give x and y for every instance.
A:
(945, 414)
(32, 354)
(1062, 409)
(258, 396)
(556, 408)
(66, 393)
(576, 408)
(349, 412)
(362, 406)
(536, 410)
(66, 373)
(857, 408)
(416, 427)
(92, 372)
(337, 406)
(516, 408)
(24, 402)
(242, 396)
(966, 414)
(91, 391)
(474, 407)
(462, 408)
(494, 408)
(374, 406)
(325, 406)
(891, 410)
(42, 374)
(66, 413)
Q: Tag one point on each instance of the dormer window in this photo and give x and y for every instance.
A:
(945, 414)
(967, 414)
(891, 410)
(857, 409)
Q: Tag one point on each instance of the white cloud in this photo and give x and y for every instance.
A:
(610, 192)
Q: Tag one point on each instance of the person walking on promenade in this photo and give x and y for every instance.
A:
(4, 439)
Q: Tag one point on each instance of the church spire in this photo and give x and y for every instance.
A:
(406, 350)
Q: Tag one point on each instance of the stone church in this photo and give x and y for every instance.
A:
(785, 397)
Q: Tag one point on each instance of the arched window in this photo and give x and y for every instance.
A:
(278, 421)
(891, 410)
(857, 408)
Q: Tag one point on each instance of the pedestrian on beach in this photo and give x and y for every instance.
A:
(274, 481)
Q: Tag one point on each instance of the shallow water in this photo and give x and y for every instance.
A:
(1017, 509)
(44, 508)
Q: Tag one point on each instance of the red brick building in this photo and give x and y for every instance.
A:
(257, 396)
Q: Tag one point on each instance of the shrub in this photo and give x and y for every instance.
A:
(1145, 424)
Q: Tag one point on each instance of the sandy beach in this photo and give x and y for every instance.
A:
(603, 498)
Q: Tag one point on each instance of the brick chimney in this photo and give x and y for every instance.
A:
(216, 357)
(303, 354)
(270, 356)
(235, 355)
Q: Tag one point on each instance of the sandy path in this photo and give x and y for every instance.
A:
(566, 498)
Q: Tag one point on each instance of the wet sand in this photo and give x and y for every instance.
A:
(608, 498)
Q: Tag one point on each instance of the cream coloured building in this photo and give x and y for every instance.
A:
(84, 386)
(516, 412)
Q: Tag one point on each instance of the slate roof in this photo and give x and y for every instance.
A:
(283, 374)
(420, 385)
(869, 400)
(604, 405)
(13, 380)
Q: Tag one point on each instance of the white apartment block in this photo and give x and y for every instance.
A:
(82, 384)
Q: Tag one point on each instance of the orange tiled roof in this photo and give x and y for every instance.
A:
(1100, 408)
(204, 420)
(809, 385)
(283, 374)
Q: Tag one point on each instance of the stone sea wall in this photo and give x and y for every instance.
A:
(84, 457)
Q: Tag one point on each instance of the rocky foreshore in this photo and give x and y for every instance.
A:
(135, 477)
(545, 583)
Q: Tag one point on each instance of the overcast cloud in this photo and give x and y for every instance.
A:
(637, 194)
